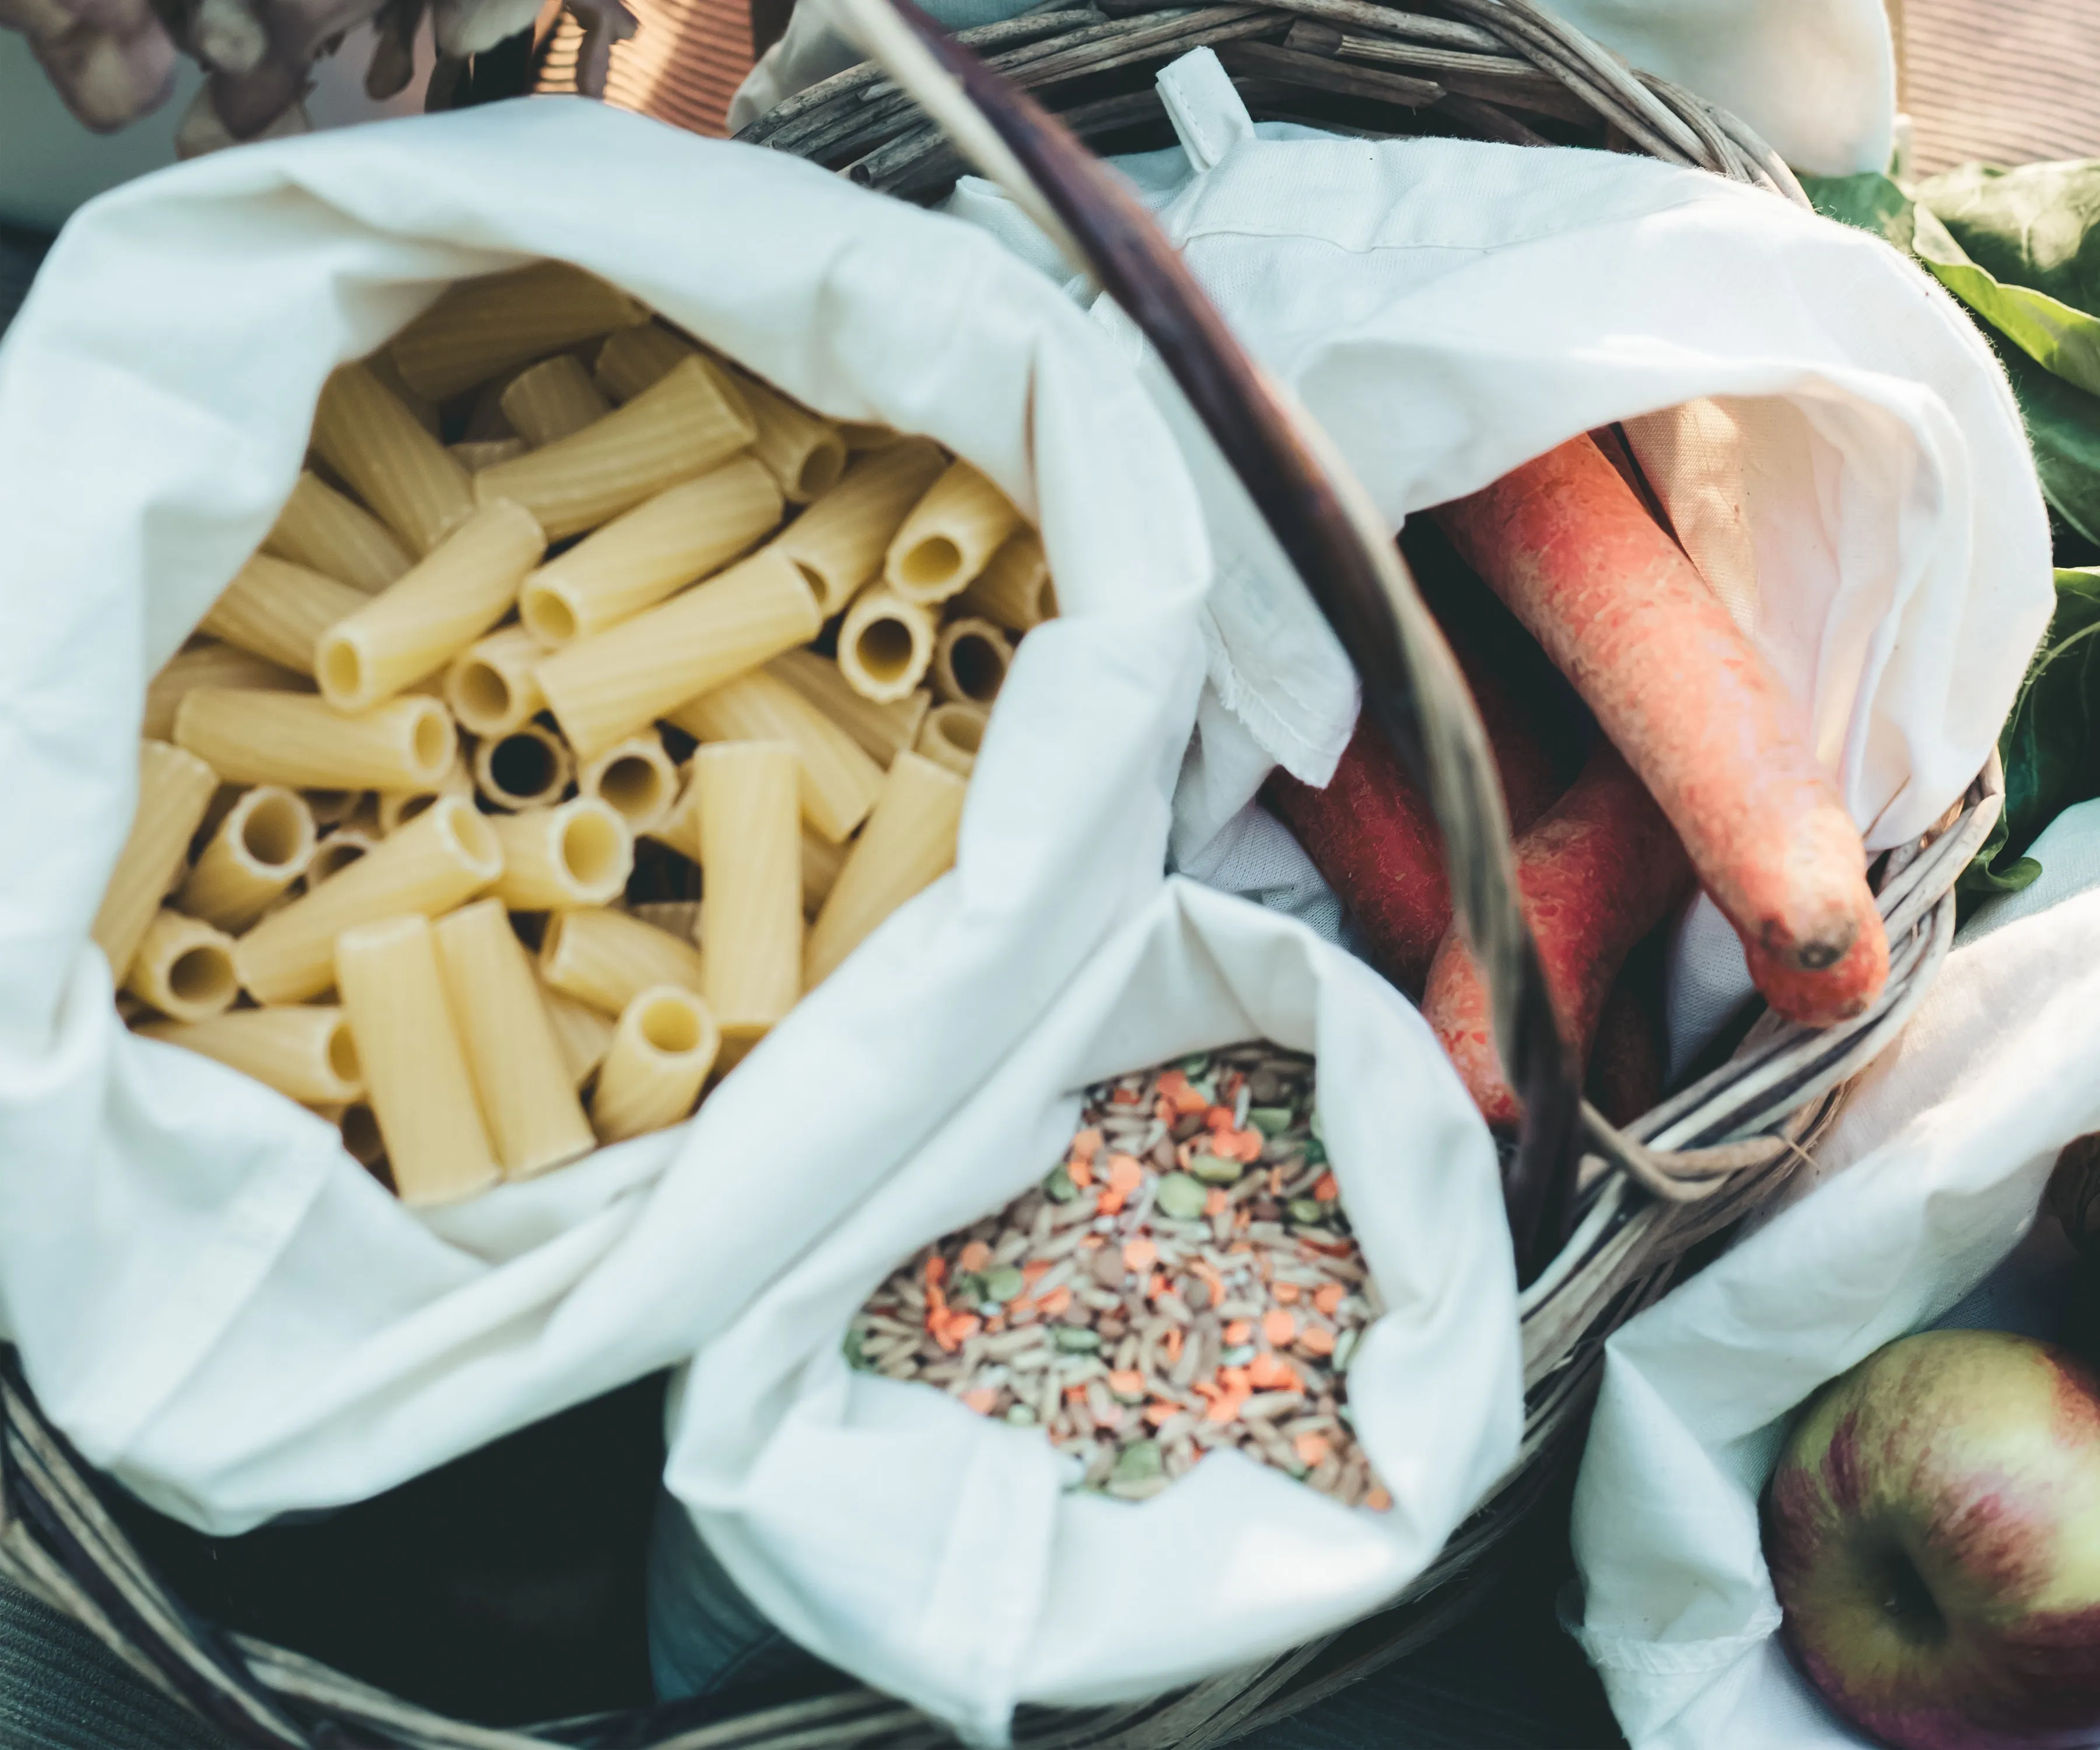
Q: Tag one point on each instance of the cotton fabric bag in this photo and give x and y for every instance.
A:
(211, 1299)
(946, 1557)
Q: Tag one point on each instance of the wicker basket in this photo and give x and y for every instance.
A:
(1604, 1218)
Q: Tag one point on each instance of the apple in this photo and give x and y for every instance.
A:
(1932, 1530)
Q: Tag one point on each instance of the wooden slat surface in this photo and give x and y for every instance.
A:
(2008, 82)
(683, 65)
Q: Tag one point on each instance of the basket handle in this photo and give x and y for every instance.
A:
(1329, 530)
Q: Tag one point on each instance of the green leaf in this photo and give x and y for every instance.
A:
(2063, 429)
(2050, 331)
(2038, 226)
(1870, 200)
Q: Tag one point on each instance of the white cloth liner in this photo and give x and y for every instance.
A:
(211, 1298)
(941, 1555)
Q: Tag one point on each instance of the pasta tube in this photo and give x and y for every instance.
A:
(389, 376)
(519, 1072)
(603, 690)
(949, 536)
(821, 862)
(289, 738)
(278, 611)
(635, 358)
(970, 660)
(326, 532)
(801, 450)
(656, 1065)
(838, 783)
(885, 645)
(305, 1054)
(175, 789)
(884, 730)
(606, 958)
(475, 454)
(681, 917)
(551, 399)
(528, 768)
(635, 778)
(336, 852)
(442, 858)
(332, 807)
(1014, 588)
(860, 435)
(184, 968)
(908, 843)
(680, 427)
(417, 626)
(651, 551)
(491, 687)
(396, 467)
(838, 541)
(415, 1075)
(750, 906)
(262, 847)
(680, 828)
(397, 808)
(582, 1033)
(211, 664)
(483, 327)
(361, 1140)
(558, 858)
(951, 736)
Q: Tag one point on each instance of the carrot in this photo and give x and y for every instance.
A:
(1699, 713)
(1595, 876)
(1627, 1062)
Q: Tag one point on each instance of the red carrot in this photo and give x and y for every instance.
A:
(1594, 875)
(1699, 713)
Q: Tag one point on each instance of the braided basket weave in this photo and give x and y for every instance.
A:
(1602, 1219)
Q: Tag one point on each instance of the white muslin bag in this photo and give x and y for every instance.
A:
(210, 1297)
(947, 1558)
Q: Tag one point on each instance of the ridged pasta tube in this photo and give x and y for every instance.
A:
(971, 658)
(183, 967)
(885, 645)
(635, 358)
(908, 843)
(443, 857)
(212, 664)
(840, 540)
(801, 450)
(582, 1033)
(290, 739)
(649, 553)
(483, 327)
(366, 435)
(278, 611)
(529, 767)
(680, 827)
(175, 787)
(336, 852)
(751, 906)
(680, 427)
(416, 1075)
(603, 690)
(951, 735)
(1014, 588)
(417, 626)
(606, 958)
(475, 454)
(822, 861)
(838, 782)
(552, 398)
(949, 536)
(656, 1065)
(337, 536)
(558, 858)
(520, 1076)
(262, 847)
(635, 778)
(397, 808)
(491, 686)
(304, 1053)
(883, 729)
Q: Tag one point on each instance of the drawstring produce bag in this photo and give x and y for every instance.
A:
(946, 1557)
(211, 1299)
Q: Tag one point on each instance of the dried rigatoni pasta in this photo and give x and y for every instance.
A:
(415, 1075)
(840, 540)
(551, 399)
(361, 1140)
(491, 686)
(257, 851)
(520, 1074)
(396, 807)
(636, 779)
(822, 861)
(605, 957)
(603, 690)
(337, 852)
(529, 767)
(211, 664)
(951, 735)
(443, 858)
(908, 843)
(885, 645)
(326, 532)
(839, 781)
(680, 427)
(582, 1033)
(949, 536)
(306, 1053)
(475, 454)
(278, 611)
(383, 367)
(803, 452)
(1014, 588)
(884, 730)
(970, 660)
(483, 327)
(579, 854)
(656, 1065)
(175, 787)
(183, 967)
(681, 917)
(634, 358)
(290, 739)
(680, 828)
(414, 627)
(651, 551)
(396, 467)
(751, 906)
(332, 807)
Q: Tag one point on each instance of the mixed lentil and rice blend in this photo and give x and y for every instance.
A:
(1184, 1280)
